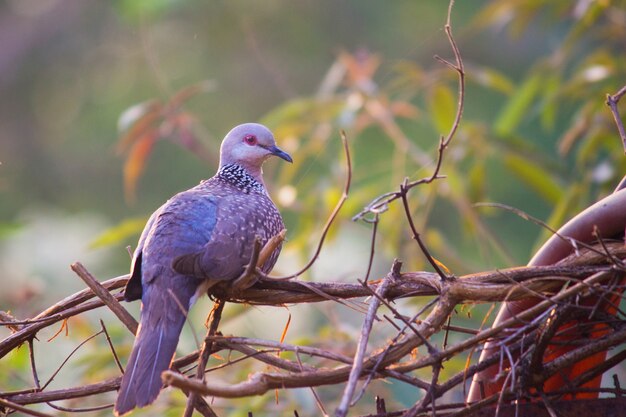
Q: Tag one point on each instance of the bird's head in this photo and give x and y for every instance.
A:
(249, 145)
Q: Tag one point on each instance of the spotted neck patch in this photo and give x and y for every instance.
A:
(237, 175)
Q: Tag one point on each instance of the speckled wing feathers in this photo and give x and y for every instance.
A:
(240, 217)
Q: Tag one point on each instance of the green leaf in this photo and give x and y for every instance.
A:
(16, 362)
(535, 177)
(517, 106)
(550, 106)
(119, 233)
(442, 107)
(492, 79)
(476, 180)
(591, 146)
(141, 9)
(7, 229)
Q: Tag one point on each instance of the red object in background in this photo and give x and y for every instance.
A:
(608, 217)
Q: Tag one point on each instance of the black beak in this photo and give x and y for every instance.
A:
(275, 150)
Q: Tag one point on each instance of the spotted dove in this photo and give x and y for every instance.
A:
(196, 239)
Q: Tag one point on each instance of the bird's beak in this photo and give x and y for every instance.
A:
(275, 150)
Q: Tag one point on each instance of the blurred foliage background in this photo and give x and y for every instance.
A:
(109, 108)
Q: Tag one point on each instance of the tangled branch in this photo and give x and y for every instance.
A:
(519, 341)
(590, 271)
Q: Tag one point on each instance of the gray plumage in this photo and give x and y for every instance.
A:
(197, 238)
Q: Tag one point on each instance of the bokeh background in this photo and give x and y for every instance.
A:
(109, 108)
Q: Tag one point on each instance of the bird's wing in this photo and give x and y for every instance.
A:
(218, 260)
(226, 253)
(190, 218)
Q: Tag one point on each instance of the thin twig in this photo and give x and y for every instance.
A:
(429, 397)
(370, 260)
(68, 358)
(230, 341)
(612, 101)
(115, 357)
(318, 400)
(416, 235)
(575, 244)
(380, 203)
(81, 409)
(33, 365)
(205, 352)
(407, 323)
(357, 364)
(333, 214)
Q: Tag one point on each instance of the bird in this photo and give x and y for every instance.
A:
(198, 238)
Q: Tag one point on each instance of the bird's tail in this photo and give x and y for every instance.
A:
(152, 354)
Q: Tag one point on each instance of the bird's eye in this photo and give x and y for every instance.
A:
(250, 140)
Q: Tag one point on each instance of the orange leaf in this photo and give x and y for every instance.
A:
(141, 125)
(404, 109)
(136, 162)
(360, 67)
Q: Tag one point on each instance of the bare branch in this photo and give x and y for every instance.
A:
(12, 406)
(114, 305)
(205, 352)
(612, 101)
(357, 364)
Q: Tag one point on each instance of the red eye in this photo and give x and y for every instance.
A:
(250, 140)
